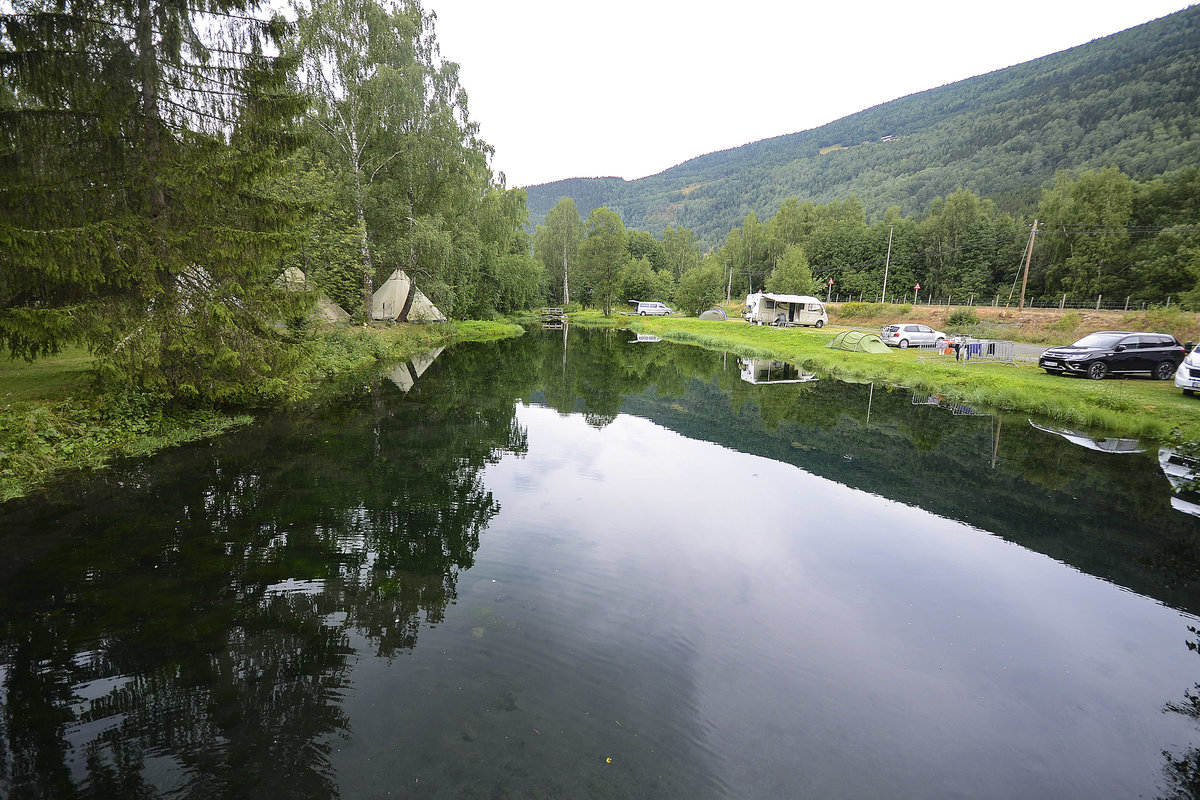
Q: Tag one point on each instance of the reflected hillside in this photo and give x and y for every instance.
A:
(1108, 514)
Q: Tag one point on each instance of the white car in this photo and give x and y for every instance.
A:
(659, 309)
(1187, 377)
(907, 334)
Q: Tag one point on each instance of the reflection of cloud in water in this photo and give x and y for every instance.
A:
(767, 597)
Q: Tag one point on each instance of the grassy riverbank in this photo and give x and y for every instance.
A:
(1138, 407)
(53, 420)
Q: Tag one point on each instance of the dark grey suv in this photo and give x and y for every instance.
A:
(1117, 352)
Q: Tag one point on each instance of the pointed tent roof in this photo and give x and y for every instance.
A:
(859, 341)
(388, 301)
(294, 279)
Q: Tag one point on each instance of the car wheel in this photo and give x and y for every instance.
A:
(820, 323)
(641, 313)
(940, 344)
(904, 344)
(1097, 370)
(1164, 371)
(1188, 392)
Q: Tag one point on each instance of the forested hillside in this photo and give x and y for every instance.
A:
(1129, 100)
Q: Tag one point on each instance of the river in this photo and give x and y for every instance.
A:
(588, 564)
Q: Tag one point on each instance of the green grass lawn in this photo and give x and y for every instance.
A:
(1134, 406)
(47, 379)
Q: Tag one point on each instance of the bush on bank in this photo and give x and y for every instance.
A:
(79, 428)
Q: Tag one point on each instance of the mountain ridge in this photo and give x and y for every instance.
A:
(1130, 99)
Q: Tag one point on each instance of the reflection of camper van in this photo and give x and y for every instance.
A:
(763, 308)
(764, 370)
(1106, 445)
(1180, 471)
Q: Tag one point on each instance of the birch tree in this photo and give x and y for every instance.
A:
(392, 118)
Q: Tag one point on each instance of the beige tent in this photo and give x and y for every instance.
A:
(406, 372)
(389, 300)
(293, 278)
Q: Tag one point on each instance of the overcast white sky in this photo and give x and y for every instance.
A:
(563, 88)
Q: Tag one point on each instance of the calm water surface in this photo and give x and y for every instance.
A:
(589, 567)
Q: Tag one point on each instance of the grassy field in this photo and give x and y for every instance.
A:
(47, 379)
(1134, 406)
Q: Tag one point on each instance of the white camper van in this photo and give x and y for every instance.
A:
(764, 308)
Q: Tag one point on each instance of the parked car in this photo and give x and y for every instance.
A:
(1187, 377)
(1117, 352)
(659, 309)
(905, 334)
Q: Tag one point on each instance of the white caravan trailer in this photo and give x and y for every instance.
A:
(765, 308)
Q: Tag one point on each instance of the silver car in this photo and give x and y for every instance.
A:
(906, 334)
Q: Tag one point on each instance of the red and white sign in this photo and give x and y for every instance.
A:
(831, 281)
(918, 286)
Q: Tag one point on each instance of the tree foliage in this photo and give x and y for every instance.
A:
(603, 256)
(136, 211)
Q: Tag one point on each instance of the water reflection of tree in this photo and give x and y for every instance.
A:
(197, 628)
(1182, 772)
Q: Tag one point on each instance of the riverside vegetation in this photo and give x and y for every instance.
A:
(53, 418)
(1136, 407)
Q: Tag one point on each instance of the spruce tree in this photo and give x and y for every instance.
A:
(137, 144)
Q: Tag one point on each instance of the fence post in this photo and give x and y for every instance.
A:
(1126, 302)
(1062, 303)
(996, 302)
(1098, 301)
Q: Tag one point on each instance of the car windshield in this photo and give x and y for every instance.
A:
(1099, 340)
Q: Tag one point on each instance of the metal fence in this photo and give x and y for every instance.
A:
(1097, 303)
(966, 351)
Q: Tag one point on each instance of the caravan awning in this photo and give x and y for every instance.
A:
(790, 298)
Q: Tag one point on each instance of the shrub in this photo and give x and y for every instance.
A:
(962, 317)
(854, 310)
(1066, 323)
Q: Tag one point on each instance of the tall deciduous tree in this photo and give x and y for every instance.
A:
(556, 245)
(792, 274)
(603, 256)
(680, 250)
(392, 120)
(1086, 228)
(134, 216)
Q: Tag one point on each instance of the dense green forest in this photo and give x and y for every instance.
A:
(1101, 237)
(162, 165)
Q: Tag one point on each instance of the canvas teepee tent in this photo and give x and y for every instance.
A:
(399, 300)
(293, 278)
